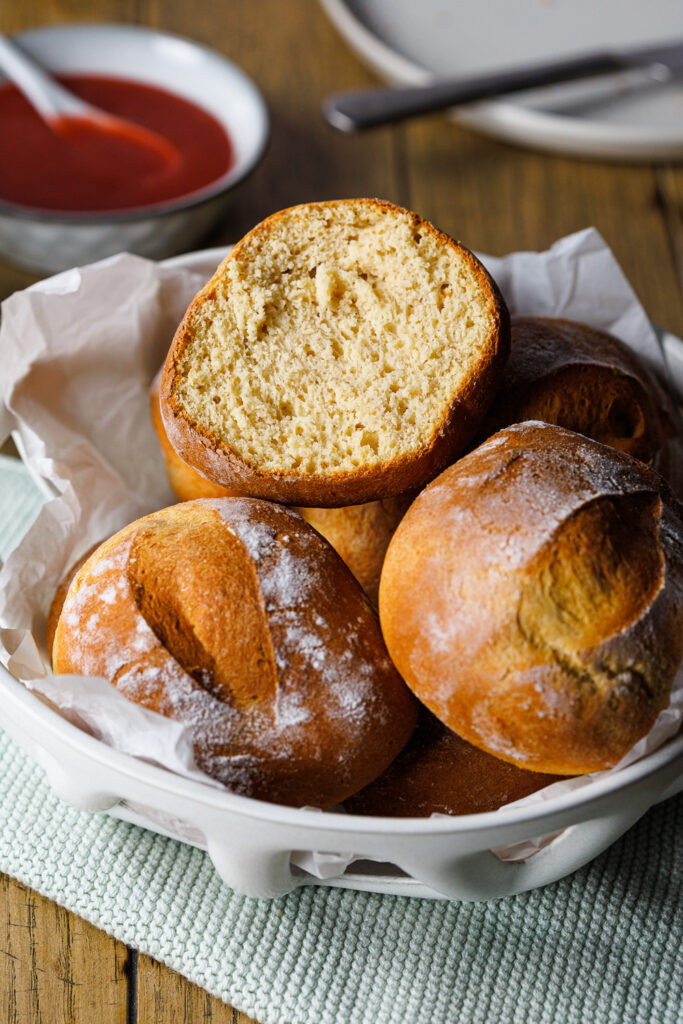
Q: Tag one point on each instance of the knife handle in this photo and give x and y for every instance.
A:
(367, 108)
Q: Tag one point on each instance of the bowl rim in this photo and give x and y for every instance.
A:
(47, 719)
(236, 173)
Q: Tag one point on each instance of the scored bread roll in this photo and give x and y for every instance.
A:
(575, 376)
(437, 772)
(360, 534)
(532, 598)
(343, 352)
(60, 597)
(234, 616)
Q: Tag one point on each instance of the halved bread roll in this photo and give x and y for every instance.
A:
(186, 483)
(343, 352)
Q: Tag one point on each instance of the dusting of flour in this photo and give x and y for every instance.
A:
(327, 684)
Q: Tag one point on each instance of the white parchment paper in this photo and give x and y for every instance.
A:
(77, 355)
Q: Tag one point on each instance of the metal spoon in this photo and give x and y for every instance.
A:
(63, 112)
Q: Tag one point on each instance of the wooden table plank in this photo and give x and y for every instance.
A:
(56, 968)
(12, 279)
(163, 996)
(670, 184)
(19, 17)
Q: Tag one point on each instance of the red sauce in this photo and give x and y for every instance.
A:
(86, 170)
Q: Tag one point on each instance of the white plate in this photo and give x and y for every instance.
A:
(616, 117)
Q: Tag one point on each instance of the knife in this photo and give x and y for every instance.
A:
(366, 108)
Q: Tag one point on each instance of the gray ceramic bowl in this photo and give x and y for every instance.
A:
(46, 241)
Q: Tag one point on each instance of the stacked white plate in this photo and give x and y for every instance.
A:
(629, 116)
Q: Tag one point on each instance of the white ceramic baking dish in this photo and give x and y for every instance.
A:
(251, 842)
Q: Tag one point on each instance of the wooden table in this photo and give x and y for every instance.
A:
(54, 967)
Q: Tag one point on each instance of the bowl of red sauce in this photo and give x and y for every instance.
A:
(72, 196)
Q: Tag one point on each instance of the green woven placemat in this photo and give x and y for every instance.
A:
(601, 947)
(20, 501)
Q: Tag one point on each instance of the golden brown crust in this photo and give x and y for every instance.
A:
(235, 617)
(360, 535)
(219, 462)
(532, 597)
(575, 376)
(60, 596)
(186, 483)
(212, 621)
(437, 772)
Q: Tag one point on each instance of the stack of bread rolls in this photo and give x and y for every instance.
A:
(343, 356)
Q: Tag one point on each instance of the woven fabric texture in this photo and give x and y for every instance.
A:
(20, 501)
(604, 946)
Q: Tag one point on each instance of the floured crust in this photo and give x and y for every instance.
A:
(60, 597)
(234, 616)
(437, 772)
(575, 376)
(219, 461)
(532, 597)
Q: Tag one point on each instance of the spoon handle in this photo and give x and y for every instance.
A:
(354, 111)
(48, 97)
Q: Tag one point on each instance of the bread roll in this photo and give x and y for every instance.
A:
(186, 483)
(437, 772)
(577, 377)
(234, 616)
(532, 597)
(342, 353)
(360, 534)
(60, 597)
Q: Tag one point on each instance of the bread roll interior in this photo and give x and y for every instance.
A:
(338, 336)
